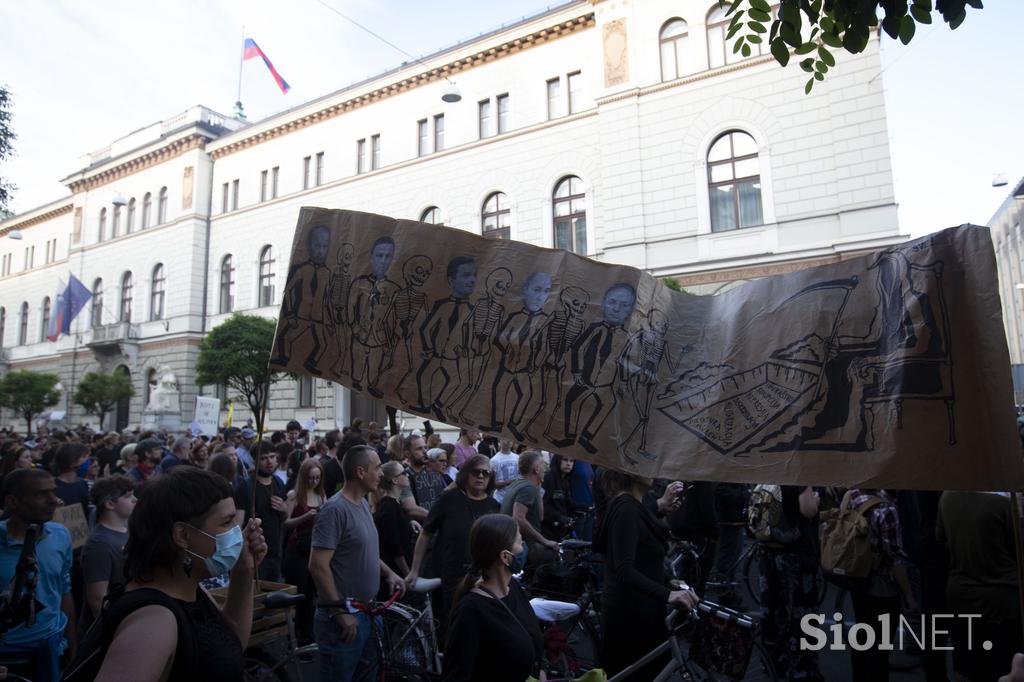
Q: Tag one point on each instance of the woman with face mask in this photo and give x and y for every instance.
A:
(494, 634)
(182, 530)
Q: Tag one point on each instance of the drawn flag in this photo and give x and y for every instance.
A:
(252, 50)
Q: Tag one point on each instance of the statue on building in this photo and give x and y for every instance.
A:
(164, 406)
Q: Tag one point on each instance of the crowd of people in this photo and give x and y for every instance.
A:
(355, 515)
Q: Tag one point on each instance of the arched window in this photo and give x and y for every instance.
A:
(44, 324)
(719, 49)
(227, 285)
(672, 41)
(156, 293)
(23, 330)
(3, 324)
(266, 292)
(129, 223)
(147, 206)
(97, 303)
(161, 206)
(570, 215)
(115, 223)
(496, 216)
(734, 182)
(103, 224)
(431, 215)
(125, 313)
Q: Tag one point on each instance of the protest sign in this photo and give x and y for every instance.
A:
(207, 416)
(72, 517)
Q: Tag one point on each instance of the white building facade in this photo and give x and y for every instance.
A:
(1007, 227)
(625, 131)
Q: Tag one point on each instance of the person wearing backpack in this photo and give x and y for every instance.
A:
(162, 625)
(879, 593)
(790, 579)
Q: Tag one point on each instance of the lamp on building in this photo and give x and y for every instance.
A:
(119, 200)
(451, 93)
(999, 180)
(14, 234)
(1019, 285)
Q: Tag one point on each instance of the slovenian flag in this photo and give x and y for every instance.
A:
(252, 50)
(70, 301)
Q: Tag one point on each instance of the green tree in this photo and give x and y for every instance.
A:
(6, 148)
(237, 355)
(837, 24)
(98, 393)
(28, 394)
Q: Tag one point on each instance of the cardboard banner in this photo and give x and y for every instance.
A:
(72, 517)
(889, 370)
(207, 416)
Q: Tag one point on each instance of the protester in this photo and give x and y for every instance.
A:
(200, 455)
(284, 452)
(180, 450)
(465, 446)
(16, 457)
(426, 483)
(303, 504)
(71, 488)
(127, 459)
(437, 462)
(244, 444)
(523, 502)
(270, 508)
(394, 448)
(345, 564)
(333, 476)
(449, 522)
(730, 510)
(978, 530)
(696, 522)
(451, 471)
(635, 594)
(558, 506)
(103, 553)
(107, 453)
(30, 500)
(394, 526)
(148, 454)
(494, 634)
(182, 531)
(224, 466)
(506, 468)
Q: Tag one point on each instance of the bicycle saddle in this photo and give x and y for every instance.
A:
(282, 600)
(575, 544)
(426, 584)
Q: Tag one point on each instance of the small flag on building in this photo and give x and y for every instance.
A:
(70, 301)
(252, 50)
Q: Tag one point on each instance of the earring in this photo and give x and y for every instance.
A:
(186, 565)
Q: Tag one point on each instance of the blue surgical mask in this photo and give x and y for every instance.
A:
(224, 558)
(518, 562)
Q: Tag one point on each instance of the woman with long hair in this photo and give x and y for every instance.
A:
(394, 527)
(636, 593)
(494, 634)
(450, 519)
(558, 506)
(303, 503)
(182, 531)
(16, 457)
(200, 454)
(394, 448)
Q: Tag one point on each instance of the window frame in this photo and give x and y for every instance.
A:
(23, 325)
(161, 206)
(157, 293)
(734, 181)
(502, 117)
(265, 282)
(572, 100)
(319, 168)
(96, 311)
(422, 137)
(263, 185)
(483, 118)
(676, 43)
(226, 290)
(571, 216)
(360, 156)
(500, 213)
(147, 206)
(305, 391)
(124, 312)
(102, 225)
(44, 322)
(438, 132)
(554, 97)
(307, 164)
(235, 190)
(426, 214)
(375, 152)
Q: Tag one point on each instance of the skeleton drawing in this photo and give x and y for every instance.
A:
(639, 365)
(444, 336)
(486, 319)
(564, 327)
(594, 368)
(521, 343)
(304, 306)
(409, 304)
(369, 301)
(337, 304)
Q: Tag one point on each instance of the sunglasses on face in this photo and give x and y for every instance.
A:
(481, 473)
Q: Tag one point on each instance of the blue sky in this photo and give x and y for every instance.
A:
(83, 74)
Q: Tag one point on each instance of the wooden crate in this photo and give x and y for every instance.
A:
(267, 624)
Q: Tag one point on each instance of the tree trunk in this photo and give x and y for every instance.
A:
(28, 424)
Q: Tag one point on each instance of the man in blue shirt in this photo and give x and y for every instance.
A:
(581, 492)
(34, 650)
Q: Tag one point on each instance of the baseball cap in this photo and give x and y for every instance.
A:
(248, 433)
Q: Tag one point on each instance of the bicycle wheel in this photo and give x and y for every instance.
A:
(752, 575)
(406, 655)
(262, 666)
(584, 645)
(759, 669)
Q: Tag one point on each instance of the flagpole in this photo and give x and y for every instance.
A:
(241, 62)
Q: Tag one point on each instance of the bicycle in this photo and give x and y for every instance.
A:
(262, 662)
(684, 659)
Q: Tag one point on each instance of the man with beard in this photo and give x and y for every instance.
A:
(270, 508)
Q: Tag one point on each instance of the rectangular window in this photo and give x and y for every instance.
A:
(422, 138)
(306, 163)
(234, 195)
(375, 152)
(554, 97)
(484, 108)
(438, 132)
(263, 185)
(361, 156)
(224, 198)
(275, 174)
(503, 113)
(307, 390)
(319, 168)
(575, 91)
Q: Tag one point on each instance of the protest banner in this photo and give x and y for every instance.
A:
(207, 416)
(887, 370)
(72, 517)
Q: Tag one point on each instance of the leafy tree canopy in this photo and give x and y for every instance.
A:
(809, 28)
(6, 148)
(98, 393)
(29, 393)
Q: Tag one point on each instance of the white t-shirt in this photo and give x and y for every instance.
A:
(506, 468)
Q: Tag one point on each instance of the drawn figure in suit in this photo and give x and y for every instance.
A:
(341, 284)
(369, 301)
(638, 376)
(444, 338)
(521, 343)
(564, 327)
(594, 369)
(487, 318)
(304, 306)
(409, 303)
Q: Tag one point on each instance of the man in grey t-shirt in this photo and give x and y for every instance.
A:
(103, 554)
(345, 564)
(523, 502)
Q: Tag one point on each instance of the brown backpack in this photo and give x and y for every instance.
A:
(846, 544)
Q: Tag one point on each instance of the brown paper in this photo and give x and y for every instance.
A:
(889, 370)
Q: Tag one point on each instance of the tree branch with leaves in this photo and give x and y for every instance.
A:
(29, 394)
(99, 393)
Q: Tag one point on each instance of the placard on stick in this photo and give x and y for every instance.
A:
(72, 517)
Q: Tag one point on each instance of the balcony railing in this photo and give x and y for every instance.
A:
(114, 333)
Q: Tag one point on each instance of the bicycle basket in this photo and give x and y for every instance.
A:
(723, 645)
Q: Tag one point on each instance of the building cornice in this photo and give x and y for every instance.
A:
(16, 224)
(139, 163)
(538, 37)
